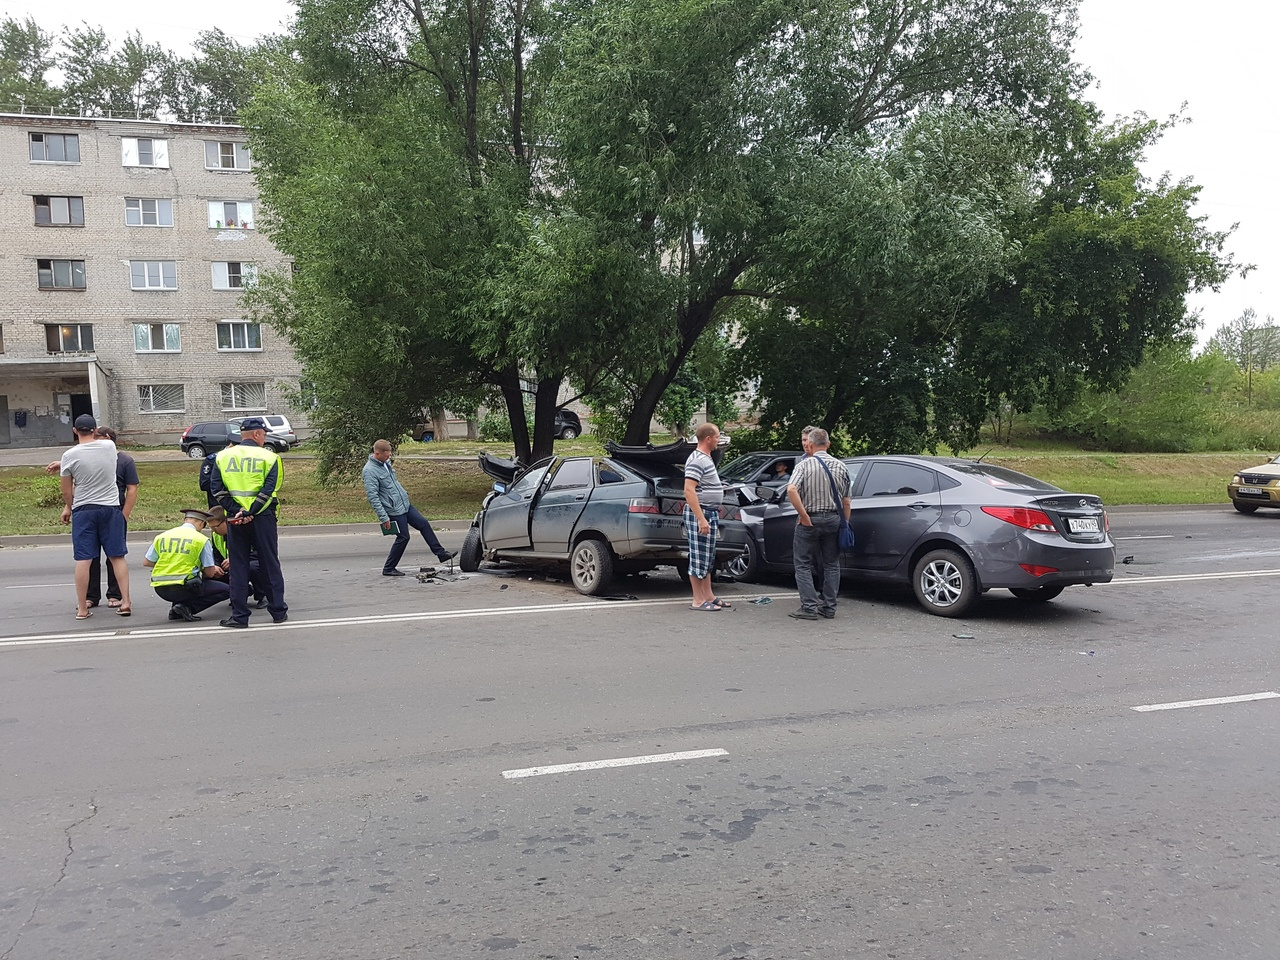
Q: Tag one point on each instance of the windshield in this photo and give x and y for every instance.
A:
(743, 467)
(1001, 476)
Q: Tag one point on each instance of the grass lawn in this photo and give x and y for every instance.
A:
(452, 490)
(442, 490)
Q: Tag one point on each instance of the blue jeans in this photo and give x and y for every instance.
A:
(403, 522)
(815, 551)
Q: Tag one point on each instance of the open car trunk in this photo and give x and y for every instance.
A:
(500, 468)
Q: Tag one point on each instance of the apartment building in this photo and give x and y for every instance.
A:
(124, 248)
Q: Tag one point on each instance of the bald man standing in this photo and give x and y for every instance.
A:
(390, 501)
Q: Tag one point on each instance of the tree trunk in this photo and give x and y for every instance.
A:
(514, 397)
(544, 416)
(694, 319)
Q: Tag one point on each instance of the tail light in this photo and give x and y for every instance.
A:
(643, 506)
(1106, 522)
(186, 433)
(1024, 517)
(1036, 570)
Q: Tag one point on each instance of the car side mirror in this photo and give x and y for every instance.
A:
(769, 494)
(499, 487)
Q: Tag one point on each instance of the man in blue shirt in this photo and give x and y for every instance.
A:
(390, 501)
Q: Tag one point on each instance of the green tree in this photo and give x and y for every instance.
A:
(1251, 345)
(698, 126)
(26, 56)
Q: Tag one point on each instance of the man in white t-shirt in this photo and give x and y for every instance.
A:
(92, 507)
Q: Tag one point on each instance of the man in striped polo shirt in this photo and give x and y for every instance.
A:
(703, 495)
(819, 490)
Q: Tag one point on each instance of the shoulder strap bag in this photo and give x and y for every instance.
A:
(846, 531)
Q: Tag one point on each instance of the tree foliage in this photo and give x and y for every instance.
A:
(132, 78)
(1250, 344)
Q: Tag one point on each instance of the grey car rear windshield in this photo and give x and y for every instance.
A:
(1001, 476)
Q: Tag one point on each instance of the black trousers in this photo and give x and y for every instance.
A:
(243, 539)
(196, 596)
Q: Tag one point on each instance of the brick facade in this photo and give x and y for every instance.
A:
(38, 382)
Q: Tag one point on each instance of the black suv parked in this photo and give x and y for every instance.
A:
(209, 437)
(568, 426)
(212, 435)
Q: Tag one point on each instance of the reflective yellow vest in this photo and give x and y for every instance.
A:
(178, 556)
(219, 545)
(244, 470)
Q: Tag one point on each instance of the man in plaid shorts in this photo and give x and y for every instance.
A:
(703, 494)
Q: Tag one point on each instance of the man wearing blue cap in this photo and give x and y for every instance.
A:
(246, 483)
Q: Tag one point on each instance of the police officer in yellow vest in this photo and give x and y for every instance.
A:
(246, 482)
(182, 568)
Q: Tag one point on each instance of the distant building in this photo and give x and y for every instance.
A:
(124, 247)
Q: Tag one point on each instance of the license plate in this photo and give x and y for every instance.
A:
(1246, 492)
(1082, 524)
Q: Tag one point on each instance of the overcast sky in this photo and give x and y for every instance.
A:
(1147, 55)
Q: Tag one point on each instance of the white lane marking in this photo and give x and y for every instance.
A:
(1211, 702)
(174, 630)
(1129, 581)
(617, 762)
(1145, 536)
(30, 586)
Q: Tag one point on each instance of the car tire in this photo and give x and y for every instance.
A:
(944, 583)
(1244, 507)
(1036, 594)
(568, 433)
(195, 452)
(591, 567)
(427, 436)
(745, 567)
(471, 554)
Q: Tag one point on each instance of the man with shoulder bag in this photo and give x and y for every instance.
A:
(819, 491)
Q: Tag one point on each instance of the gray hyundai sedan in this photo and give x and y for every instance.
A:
(949, 527)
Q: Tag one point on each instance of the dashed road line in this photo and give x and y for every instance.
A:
(1211, 702)
(616, 762)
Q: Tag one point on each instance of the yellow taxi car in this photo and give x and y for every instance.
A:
(1256, 487)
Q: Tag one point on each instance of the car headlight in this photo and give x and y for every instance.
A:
(1235, 478)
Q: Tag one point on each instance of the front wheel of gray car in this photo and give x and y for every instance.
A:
(945, 583)
(591, 567)
(1244, 507)
(745, 567)
(1036, 594)
(471, 554)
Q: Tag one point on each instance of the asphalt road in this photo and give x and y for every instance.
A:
(892, 785)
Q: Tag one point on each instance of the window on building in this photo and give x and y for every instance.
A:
(148, 213)
(225, 214)
(69, 338)
(226, 155)
(239, 335)
(161, 398)
(60, 274)
(157, 337)
(55, 148)
(1, 338)
(244, 396)
(59, 211)
(144, 152)
(234, 275)
(153, 274)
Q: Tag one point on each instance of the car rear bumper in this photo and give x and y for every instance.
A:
(1001, 565)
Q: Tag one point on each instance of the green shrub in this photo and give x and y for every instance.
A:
(47, 491)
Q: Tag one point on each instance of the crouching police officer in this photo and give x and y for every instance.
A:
(246, 482)
(182, 568)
